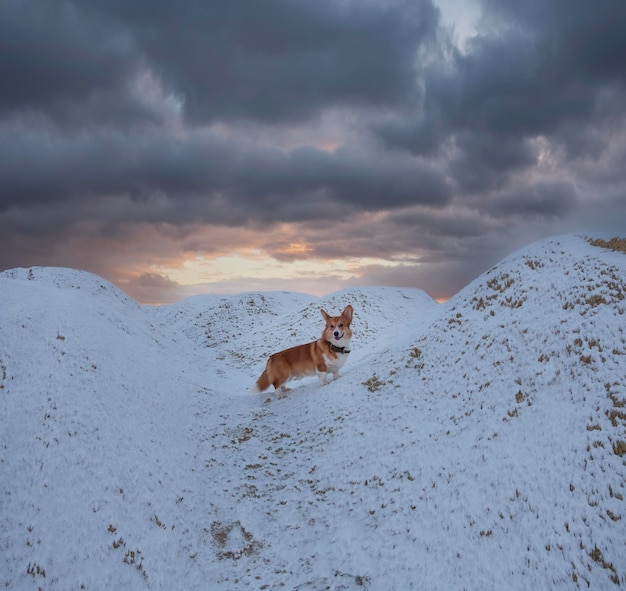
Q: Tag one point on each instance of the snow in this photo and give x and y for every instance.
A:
(476, 444)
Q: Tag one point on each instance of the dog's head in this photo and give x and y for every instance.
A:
(337, 329)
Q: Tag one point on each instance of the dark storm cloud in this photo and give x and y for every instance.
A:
(582, 40)
(360, 179)
(76, 129)
(543, 199)
(56, 60)
(542, 64)
(534, 69)
(277, 60)
(482, 161)
(203, 177)
(529, 71)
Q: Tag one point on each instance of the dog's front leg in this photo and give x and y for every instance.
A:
(322, 374)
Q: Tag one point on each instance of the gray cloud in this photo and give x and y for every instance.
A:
(544, 199)
(56, 60)
(277, 60)
(482, 161)
(530, 72)
(203, 176)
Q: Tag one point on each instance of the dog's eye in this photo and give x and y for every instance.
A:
(341, 326)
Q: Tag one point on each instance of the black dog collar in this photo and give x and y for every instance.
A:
(338, 349)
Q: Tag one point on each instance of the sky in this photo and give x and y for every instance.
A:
(177, 148)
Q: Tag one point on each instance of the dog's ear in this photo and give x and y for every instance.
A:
(325, 315)
(347, 313)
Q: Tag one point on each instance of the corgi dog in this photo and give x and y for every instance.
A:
(321, 357)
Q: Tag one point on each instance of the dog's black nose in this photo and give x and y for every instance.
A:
(336, 333)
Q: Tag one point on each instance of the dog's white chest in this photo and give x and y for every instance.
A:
(335, 363)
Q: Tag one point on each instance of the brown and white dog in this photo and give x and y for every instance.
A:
(321, 357)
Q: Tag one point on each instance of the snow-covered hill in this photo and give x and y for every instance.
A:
(478, 444)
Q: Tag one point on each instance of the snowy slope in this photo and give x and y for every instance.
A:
(478, 444)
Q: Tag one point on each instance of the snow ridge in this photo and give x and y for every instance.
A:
(476, 444)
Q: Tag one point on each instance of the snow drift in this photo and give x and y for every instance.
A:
(478, 444)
